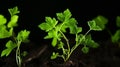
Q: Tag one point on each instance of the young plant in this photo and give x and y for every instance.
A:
(7, 31)
(116, 36)
(56, 29)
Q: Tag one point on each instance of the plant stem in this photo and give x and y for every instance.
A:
(76, 45)
(18, 57)
(67, 41)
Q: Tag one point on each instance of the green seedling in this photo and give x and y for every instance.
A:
(7, 31)
(116, 36)
(56, 29)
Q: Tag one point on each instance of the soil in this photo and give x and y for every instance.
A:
(106, 55)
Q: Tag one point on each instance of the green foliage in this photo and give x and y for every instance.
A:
(56, 29)
(116, 36)
(7, 31)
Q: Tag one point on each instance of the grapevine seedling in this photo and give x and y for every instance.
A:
(56, 29)
(7, 31)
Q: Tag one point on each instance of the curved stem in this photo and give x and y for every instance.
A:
(76, 45)
(18, 57)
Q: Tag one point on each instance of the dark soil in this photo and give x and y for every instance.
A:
(107, 55)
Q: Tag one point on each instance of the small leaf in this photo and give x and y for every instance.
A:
(23, 35)
(10, 44)
(13, 21)
(101, 21)
(24, 53)
(13, 11)
(54, 55)
(85, 49)
(60, 45)
(118, 21)
(93, 26)
(6, 52)
(54, 42)
(3, 20)
(67, 14)
(116, 36)
(60, 17)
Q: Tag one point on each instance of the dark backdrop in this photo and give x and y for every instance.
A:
(33, 12)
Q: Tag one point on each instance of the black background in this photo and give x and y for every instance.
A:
(33, 12)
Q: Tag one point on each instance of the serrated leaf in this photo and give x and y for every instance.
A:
(54, 42)
(4, 33)
(116, 36)
(54, 55)
(101, 21)
(49, 24)
(23, 35)
(67, 14)
(60, 17)
(13, 11)
(13, 21)
(94, 26)
(3, 20)
(85, 49)
(118, 21)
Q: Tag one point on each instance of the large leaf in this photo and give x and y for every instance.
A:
(3, 20)
(49, 24)
(118, 21)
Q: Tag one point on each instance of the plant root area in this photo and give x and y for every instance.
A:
(106, 55)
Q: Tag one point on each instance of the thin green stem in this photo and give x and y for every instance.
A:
(67, 41)
(18, 57)
(76, 45)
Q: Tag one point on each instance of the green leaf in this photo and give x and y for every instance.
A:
(93, 26)
(23, 35)
(4, 33)
(89, 42)
(54, 55)
(54, 42)
(101, 21)
(118, 21)
(60, 45)
(116, 36)
(49, 24)
(13, 21)
(13, 11)
(3, 20)
(6, 52)
(85, 49)
(10, 46)
(67, 14)
(64, 16)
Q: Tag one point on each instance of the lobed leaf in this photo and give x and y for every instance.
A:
(13, 11)
(23, 35)
(93, 26)
(3, 20)
(101, 21)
